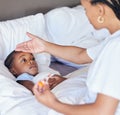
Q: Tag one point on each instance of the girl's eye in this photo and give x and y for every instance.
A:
(23, 60)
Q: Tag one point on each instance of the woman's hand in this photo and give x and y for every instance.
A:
(43, 95)
(35, 45)
(55, 80)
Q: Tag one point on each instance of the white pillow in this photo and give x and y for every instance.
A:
(66, 26)
(14, 31)
(70, 26)
(5, 72)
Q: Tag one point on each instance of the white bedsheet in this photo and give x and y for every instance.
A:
(17, 100)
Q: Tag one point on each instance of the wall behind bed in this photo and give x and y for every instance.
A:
(11, 9)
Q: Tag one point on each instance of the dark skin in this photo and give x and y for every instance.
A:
(28, 84)
(55, 80)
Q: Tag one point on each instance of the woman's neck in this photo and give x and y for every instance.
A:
(114, 26)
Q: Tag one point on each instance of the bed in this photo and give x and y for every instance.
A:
(42, 17)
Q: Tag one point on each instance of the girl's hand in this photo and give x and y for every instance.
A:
(55, 80)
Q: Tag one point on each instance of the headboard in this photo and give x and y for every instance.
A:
(11, 9)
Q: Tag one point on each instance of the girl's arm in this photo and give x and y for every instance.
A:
(28, 84)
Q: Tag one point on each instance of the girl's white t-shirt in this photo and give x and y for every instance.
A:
(104, 74)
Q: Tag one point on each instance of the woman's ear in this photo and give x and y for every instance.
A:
(101, 9)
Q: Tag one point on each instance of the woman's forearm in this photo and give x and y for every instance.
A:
(67, 109)
(103, 105)
(71, 53)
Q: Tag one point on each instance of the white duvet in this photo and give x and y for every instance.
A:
(17, 100)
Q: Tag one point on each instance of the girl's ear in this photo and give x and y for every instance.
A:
(12, 70)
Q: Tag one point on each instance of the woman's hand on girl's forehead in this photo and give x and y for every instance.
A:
(35, 45)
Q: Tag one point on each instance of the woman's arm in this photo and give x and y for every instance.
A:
(71, 53)
(104, 105)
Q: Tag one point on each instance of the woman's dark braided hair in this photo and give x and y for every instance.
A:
(113, 4)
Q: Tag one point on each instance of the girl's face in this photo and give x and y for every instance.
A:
(24, 63)
(92, 12)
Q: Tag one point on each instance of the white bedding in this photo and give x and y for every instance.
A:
(17, 100)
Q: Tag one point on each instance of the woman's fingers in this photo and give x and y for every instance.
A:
(32, 36)
(35, 45)
(40, 88)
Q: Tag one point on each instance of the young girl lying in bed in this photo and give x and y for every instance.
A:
(24, 67)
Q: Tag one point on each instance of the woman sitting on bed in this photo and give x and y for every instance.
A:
(24, 67)
(103, 80)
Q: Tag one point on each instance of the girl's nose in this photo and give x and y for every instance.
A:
(31, 62)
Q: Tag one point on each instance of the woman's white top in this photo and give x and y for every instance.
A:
(104, 74)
